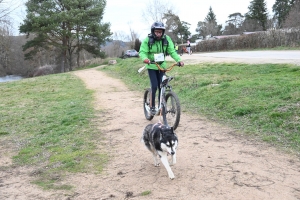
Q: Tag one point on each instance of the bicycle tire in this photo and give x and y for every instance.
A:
(146, 104)
(173, 110)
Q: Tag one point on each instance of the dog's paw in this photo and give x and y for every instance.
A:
(171, 176)
(172, 163)
(156, 164)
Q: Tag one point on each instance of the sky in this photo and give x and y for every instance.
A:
(126, 15)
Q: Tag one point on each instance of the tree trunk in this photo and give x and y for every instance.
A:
(62, 65)
(78, 59)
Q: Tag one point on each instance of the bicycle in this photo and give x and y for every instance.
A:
(169, 104)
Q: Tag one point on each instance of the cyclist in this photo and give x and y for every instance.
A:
(155, 47)
(188, 47)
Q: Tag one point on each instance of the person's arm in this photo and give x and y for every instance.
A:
(171, 50)
(144, 49)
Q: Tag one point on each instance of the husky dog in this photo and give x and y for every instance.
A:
(161, 141)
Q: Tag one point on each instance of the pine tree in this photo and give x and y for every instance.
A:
(211, 17)
(209, 26)
(69, 25)
(258, 14)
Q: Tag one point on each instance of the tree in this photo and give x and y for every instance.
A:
(71, 26)
(137, 44)
(234, 24)
(257, 15)
(183, 31)
(118, 44)
(172, 25)
(5, 43)
(236, 19)
(209, 26)
(176, 29)
(281, 8)
(155, 10)
(293, 17)
(133, 36)
(7, 7)
(210, 17)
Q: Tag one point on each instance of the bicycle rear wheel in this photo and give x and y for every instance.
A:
(172, 110)
(146, 104)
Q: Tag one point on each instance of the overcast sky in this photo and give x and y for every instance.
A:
(125, 14)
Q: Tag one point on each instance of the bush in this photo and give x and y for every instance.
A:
(255, 40)
(45, 70)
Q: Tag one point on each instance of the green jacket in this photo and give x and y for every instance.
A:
(157, 47)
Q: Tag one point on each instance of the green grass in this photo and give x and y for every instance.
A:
(145, 193)
(260, 100)
(49, 122)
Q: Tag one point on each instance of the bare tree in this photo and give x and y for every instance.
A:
(121, 42)
(5, 44)
(293, 18)
(116, 47)
(133, 36)
(7, 7)
(155, 10)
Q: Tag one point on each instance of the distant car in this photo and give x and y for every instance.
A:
(131, 53)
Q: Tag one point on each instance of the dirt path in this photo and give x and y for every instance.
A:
(212, 163)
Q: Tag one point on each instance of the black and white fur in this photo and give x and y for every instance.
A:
(161, 141)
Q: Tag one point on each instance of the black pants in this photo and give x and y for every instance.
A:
(155, 81)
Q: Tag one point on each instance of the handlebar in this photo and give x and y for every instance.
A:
(166, 70)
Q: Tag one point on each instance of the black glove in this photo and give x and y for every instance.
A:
(180, 64)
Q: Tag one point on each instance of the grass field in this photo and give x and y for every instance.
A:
(260, 100)
(48, 122)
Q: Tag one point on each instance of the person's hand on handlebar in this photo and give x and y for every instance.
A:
(180, 64)
(147, 61)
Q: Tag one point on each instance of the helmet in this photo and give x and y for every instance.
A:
(157, 25)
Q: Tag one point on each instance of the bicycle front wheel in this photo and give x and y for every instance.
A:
(146, 104)
(172, 110)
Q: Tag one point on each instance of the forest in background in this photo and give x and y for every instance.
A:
(60, 41)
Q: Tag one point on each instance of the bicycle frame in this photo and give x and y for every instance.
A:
(163, 87)
(169, 104)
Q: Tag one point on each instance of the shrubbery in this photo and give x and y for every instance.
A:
(256, 40)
